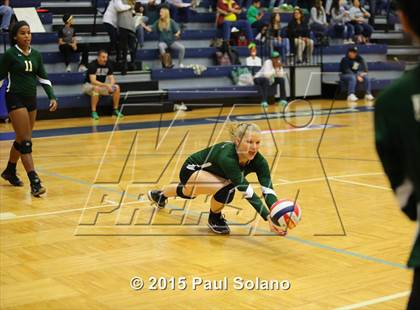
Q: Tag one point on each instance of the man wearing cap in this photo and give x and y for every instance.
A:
(353, 69)
(67, 44)
(270, 75)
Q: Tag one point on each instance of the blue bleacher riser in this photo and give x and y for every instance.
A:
(38, 38)
(187, 73)
(74, 101)
(25, 3)
(46, 18)
(187, 35)
(151, 54)
(68, 78)
(372, 66)
(213, 92)
(363, 49)
(55, 57)
(235, 91)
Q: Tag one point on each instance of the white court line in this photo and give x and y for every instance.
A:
(6, 216)
(361, 184)
(285, 182)
(374, 301)
(323, 178)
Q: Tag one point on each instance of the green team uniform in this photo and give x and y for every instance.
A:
(397, 131)
(221, 159)
(23, 72)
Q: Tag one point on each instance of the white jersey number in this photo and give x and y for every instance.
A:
(28, 66)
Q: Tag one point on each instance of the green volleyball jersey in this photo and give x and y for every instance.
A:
(23, 72)
(397, 131)
(221, 159)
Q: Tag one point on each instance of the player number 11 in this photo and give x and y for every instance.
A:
(28, 66)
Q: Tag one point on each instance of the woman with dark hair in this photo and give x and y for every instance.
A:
(318, 20)
(23, 68)
(340, 21)
(359, 18)
(299, 34)
(280, 44)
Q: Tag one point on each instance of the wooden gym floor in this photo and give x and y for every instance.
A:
(79, 246)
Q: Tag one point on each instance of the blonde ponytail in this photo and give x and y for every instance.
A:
(238, 130)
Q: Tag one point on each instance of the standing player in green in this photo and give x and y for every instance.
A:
(218, 170)
(23, 67)
(397, 130)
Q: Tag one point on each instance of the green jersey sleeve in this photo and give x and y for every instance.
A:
(43, 79)
(231, 168)
(4, 66)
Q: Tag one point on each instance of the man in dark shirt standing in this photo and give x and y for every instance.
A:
(397, 135)
(100, 81)
(353, 69)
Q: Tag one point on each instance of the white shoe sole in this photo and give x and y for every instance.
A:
(218, 232)
(153, 203)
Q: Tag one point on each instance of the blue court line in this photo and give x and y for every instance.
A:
(296, 239)
(55, 132)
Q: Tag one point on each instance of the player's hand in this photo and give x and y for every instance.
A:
(360, 78)
(53, 105)
(276, 229)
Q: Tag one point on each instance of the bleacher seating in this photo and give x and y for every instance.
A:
(180, 84)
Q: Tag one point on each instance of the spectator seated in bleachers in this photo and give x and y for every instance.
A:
(228, 11)
(180, 11)
(226, 55)
(140, 23)
(6, 13)
(127, 37)
(253, 60)
(359, 19)
(340, 22)
(169, 32)
(67, 44)
(152, 8)
(110, 20)
(100, 81)
(318, 19)
(279, 43)
(268, 77)
(353, 71)
(299, 35)
(254, 15)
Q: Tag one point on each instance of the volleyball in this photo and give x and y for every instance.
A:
(285, 213)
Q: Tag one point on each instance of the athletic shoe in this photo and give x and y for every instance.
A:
(12, 178)
(352, 97)
(82, 68)
(281, 102)
(117, 113)
(180, 107)
(157, 198)
(68, 68)
(369, 97)
(264, 104)
(36, 188)
(95, 116)
(218, 225)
